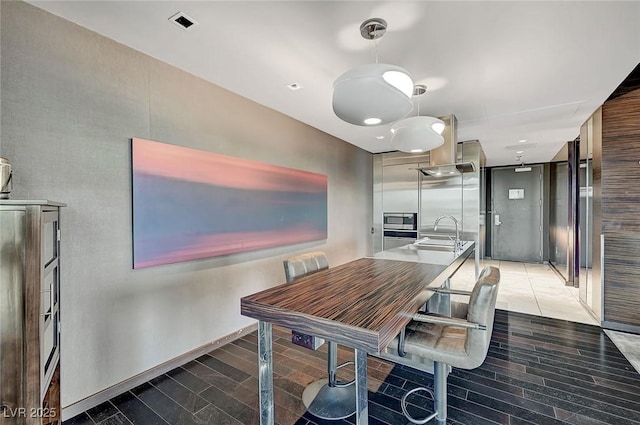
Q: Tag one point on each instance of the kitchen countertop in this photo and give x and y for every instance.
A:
(425, 256)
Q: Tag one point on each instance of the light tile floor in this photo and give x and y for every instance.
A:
(536, 289)
(530, 288)
(628, 344)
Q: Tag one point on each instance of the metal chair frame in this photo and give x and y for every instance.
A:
(441, 369)
(328, 398)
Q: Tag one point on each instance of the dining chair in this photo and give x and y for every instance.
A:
(435, 342)
(327, 398)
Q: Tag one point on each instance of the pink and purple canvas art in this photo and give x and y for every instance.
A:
(190, 204)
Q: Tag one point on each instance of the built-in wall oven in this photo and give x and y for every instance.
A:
(400, 228)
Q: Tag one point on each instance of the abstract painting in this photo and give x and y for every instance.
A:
(190, 204)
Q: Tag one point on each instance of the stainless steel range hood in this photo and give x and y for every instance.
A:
(447, 169)
(442, 161)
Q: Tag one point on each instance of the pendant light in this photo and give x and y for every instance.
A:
(418, 133)
(373, 94)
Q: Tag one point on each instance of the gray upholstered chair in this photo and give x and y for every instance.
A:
(460, 340)
(326, 398)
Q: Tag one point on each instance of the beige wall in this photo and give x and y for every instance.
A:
(71, 101)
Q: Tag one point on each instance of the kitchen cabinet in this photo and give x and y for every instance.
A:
(400, 188)
(30, 312)
(622, 268)
(395, 190)
(620, 211)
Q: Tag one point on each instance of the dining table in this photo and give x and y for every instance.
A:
(362, 304)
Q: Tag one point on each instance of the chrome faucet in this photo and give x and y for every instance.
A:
(458, 242)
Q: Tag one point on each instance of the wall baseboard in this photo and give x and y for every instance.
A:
(78, 407)
(622, 327)
(591, 313)
(559, 274)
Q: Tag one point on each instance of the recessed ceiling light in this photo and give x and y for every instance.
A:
(183, 21)
(294, 86)
(522, 141)
(519, 151)
(520, 146)
(379, 137)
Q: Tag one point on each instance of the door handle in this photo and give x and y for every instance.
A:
(496, 220)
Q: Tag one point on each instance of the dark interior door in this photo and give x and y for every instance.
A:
(517, 214)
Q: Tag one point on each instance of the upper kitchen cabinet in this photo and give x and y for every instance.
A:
(400, 182)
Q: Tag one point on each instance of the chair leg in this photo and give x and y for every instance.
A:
(439, 394)
(332, 362)
(328, 398)
(440, 372)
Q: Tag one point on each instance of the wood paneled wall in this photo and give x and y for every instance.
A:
(621, 210)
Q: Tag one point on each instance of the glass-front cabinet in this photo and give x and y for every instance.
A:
(30, 312)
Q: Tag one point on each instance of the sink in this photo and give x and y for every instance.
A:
(435, 244)
(442, 254)
(429, 247)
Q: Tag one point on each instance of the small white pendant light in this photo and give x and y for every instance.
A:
(417, 134)
(373, 94)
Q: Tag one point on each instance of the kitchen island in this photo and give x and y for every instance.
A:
(362, 304)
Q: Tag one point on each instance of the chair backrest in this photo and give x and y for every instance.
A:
(482, 307)
(304, 264)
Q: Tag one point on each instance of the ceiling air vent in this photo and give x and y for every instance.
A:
(183, 21)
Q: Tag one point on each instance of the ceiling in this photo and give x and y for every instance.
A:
(508, 71)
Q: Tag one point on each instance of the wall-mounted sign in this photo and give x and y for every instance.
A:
(516, 193)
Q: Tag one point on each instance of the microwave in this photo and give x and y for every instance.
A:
(400, 221)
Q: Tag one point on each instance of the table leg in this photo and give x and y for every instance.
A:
(362, 408)
(265, 373)
(447, 299)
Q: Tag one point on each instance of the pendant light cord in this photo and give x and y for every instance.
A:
(375, 49)
(375, 43)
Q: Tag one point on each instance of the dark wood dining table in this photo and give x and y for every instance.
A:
(361, 304)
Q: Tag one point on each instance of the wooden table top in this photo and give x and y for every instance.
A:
(362, 304)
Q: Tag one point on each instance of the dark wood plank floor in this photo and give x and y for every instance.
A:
(538, 371)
